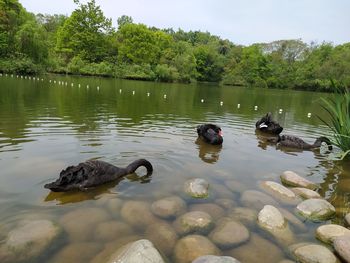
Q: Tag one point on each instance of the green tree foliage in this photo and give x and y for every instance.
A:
(86, 33)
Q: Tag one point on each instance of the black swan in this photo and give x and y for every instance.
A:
(291, 141)
(93, 173)
(267, 125)
(210, 133)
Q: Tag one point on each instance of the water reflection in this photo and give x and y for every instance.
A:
(207, 152)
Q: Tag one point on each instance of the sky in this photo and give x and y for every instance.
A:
(241, 21)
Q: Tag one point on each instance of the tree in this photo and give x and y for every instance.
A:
(124, 20)
(86, 33)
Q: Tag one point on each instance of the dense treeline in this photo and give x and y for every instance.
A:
(86, 43)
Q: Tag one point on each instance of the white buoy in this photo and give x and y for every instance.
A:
(120, 90)
(148, 94)
(98, 88)
(87, 86)
(309, 115)
(164, 96)
(50, 80)
(66, 83)
(238, 106)
(255, 107)
(54, 81)
(202, 100)
(133, 92)
(221, 103)
(72, 84)
(79, 85)
(280, 111)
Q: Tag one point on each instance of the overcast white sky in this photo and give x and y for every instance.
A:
(241, 21)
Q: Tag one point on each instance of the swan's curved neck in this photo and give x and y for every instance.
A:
(131, 168)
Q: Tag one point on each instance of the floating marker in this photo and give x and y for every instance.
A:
(280, 111)
(238, 106)
(221, 103)
(87, 86)
(79, 85)
(255, 107)
(54, 81)
(133, 92)
(120, 90)
(72, 84)
(98, 88)
(148, 94)
(202, 100)
(309, 115)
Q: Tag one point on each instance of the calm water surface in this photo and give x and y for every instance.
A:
(46, 126)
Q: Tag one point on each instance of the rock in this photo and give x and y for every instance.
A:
(191, 247)
(111, 230)
(347, 219)
(342, 247)
(114, 205)
(163, 236)
(138, 214)
(213, 210)
(271, 220)
(229, 233)
(226, 203)
(257, 249)
(221, 191)
(73, 253)
(169, 207)
(291, 218)
(236, 186)
(197, 188)
(305, 193)
(28, 240)
(138, 251)
(80, 223)
(314, 254)
(257, 200)
(327, 233)
(280, 192)
(194, 222)
(292, 179)
(244, 215)
(286, 261)
(215, 259)
(316, 209)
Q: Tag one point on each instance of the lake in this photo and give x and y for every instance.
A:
(53, 122)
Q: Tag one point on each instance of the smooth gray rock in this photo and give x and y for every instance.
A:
(327, 233)
(139, 251)
(314, 254)
(292, 179)
(197, 188)
(169, 207)
(271, 220)
(163, 236)
(27, 241)
(305, 193)
(215, 259)
(229, 233)
(193, 222)
(316, 209)
(342, 247)
(280, 192)
(256, 199)
(192, 247)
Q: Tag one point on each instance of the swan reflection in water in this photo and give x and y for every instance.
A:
(207, 152)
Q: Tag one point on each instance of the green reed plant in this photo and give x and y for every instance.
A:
(338, 108)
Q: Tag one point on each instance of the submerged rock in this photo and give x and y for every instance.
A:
(244, 215)
(257, 200)
(280, 192)
(138, 251)
(197, 188)
(316, 209)
(292, 179)
(314, 254)
(111, 230)
(342, 247)
(271, 220)
(214, 210)
(163, 236)
(28, 241)
(194, 222)
(229, 233)
(215, 259)
(327, 233)
(305, 193)
(77, 253)
(347, 219)
(191, 247)
(169, 207)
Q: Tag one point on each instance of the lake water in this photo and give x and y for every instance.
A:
(47, 126)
